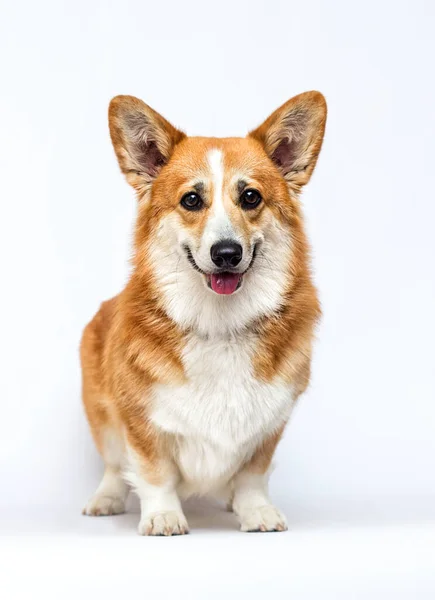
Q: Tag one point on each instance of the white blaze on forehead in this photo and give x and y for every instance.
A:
(219, 224)
(216, 165)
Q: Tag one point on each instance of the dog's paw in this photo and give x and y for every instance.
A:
(104, 505)
(164, 523)
(262, 518)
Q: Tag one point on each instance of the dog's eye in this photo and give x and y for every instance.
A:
(191, 201)
(250, 199)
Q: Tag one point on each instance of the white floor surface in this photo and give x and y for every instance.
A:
(61, 554)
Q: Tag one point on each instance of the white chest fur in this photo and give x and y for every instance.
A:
(222, 412)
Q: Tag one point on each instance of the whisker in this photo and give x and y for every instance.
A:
(177, 271)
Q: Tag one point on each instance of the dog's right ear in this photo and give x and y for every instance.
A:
(143, 140)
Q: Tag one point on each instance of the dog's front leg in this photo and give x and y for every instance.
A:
(155, 479)
(251, 501)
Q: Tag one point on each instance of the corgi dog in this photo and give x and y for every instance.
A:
(190, 374)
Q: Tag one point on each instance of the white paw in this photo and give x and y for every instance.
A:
(164, 523)
(262, 518)
(104, 505)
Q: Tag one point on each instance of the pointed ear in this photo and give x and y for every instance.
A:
(143, 140)
(292, 136)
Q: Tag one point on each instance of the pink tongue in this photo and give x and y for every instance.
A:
(224, 283)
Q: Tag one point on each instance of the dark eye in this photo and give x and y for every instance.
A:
(250, 199)
(191, 201)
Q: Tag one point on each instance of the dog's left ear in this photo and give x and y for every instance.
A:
(292, 136)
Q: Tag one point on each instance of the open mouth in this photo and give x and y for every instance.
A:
(224, 282)
(221, 282)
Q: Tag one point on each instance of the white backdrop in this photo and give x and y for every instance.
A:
(362, 439)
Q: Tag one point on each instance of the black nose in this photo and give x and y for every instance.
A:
(226, 254)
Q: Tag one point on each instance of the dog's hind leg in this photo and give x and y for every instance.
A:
(110, 496)
(112, 492)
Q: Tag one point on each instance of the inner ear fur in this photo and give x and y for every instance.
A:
(143, 140)
(292, 136)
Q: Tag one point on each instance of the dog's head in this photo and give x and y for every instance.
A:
(219, 226)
